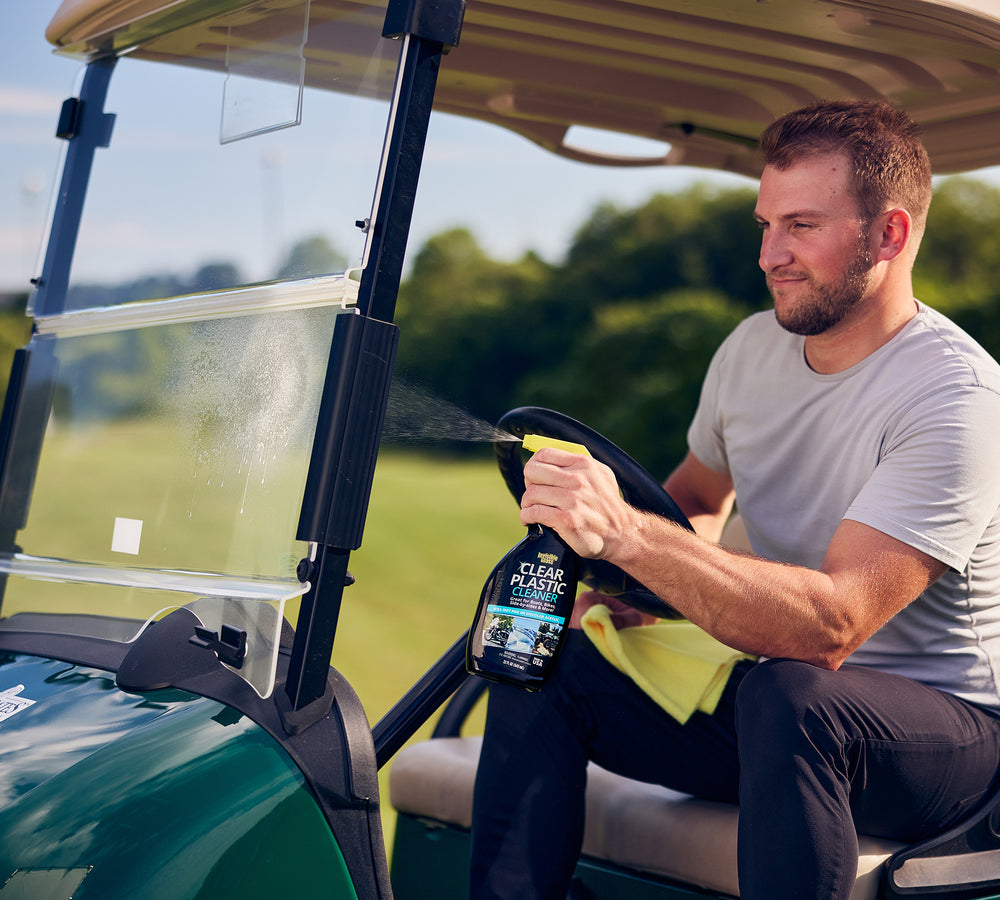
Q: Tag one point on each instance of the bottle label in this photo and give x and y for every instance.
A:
(526, 622)
(523, 611)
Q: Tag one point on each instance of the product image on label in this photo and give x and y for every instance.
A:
(521, 631)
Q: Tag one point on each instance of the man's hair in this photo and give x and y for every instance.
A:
(888, 160)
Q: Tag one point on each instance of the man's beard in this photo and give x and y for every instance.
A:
(828, 304)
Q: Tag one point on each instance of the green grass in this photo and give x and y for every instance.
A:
(436, 528)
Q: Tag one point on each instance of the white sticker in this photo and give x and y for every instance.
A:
(127, 535)
(11, 703)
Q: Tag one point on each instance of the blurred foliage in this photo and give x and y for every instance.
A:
(618, 335)
(116, 371)
(312, 256)
(956, 267)
(471, 327)
(701, 237)
(15, 329)
(635, 372)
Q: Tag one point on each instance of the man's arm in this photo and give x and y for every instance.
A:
(705, 496)
(754, 605)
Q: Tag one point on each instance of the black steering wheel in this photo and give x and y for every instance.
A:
(638, 487)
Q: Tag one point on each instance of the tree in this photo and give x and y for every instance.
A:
(215, 276)
(955, 270)
(698, 237)
(466, 322)
(488, 335)
(312, 256)
(635, 375)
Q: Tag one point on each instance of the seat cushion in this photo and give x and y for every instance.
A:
(639, 826)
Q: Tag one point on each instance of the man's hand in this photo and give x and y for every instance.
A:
(622, 615)
(578, 497)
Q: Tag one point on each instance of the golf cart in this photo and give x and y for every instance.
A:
(166, 730)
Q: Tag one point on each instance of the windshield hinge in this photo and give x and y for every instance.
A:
(70, 117)
(231, 647)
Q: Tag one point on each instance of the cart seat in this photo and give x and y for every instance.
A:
(639, 827)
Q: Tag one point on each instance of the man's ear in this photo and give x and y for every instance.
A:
(897, 230)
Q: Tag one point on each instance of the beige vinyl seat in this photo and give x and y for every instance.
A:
(640, 827)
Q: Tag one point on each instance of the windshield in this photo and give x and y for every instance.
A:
(172, 441)
(158, 453)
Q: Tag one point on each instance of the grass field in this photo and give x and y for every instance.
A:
(436, 528)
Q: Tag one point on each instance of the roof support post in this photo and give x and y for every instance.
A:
(333, 518)
(86, 126)
(28, 401)
(428, 29)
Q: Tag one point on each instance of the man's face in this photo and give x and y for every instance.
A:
(815, 249)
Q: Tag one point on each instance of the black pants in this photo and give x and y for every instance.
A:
(811, 756)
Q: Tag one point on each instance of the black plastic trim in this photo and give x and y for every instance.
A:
(430, 20)
(972, 847)
(352, 411)
(459, 707)
(435, 686)
(88, 128)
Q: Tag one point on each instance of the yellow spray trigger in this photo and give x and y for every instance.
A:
(533, 442)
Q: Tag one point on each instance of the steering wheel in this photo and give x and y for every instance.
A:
(638, 487)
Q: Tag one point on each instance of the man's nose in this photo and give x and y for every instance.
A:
(774, 251)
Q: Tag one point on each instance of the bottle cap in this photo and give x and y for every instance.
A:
(533, 442)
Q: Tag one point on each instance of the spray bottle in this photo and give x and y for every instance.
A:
(526, 603)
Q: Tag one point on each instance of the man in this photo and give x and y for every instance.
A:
(856, 428)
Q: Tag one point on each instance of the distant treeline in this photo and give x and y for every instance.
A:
(619, 333)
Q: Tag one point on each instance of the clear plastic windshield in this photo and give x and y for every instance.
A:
(172, 441)
(162, 440)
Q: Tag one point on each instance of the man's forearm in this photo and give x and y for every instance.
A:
(748, 603)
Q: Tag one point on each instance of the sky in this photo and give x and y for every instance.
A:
(513, 196)
(32, 87)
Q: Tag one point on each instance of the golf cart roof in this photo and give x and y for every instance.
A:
(703, 77)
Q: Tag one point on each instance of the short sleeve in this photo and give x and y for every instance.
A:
(936, 485)
(705, 435)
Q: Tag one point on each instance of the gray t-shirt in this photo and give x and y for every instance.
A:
(907, 442)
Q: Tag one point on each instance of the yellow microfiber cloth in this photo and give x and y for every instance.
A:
(680, 666)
